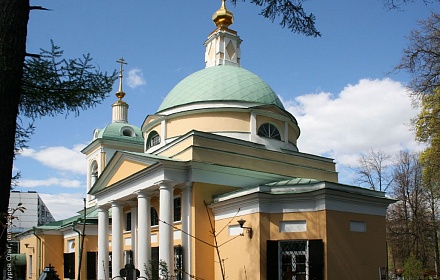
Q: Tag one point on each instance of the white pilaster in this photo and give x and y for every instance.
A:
(163, 124)
(144, 232)
(117, 248)
(103, 231)
(134, 228)
(253, 128)
(186, 228)
(166, 240)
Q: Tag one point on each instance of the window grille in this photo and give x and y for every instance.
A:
(268, 130)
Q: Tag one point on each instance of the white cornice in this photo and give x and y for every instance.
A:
(311, 198)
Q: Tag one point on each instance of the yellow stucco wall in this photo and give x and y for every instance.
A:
(347, 254)
(208, 150)
(204, 262)
(229, 154)
(293, 133)
(265, 226)
(365, 251)
(126, 169)
(209, 122)
(182, 150)
(46, 252)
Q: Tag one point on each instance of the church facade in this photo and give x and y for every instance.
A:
(211, 186)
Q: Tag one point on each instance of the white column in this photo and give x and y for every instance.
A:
(117, 251)
(103, 231)
(134, 223)
(144, 232)
(286, 132)
(166, 240)
(186, 228)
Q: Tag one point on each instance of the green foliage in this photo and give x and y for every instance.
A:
(412, 268)
(158, 271)
(427, 127)
(292, 15)
(52, 85)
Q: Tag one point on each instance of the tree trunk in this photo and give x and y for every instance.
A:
(14, 15)
(434, 231)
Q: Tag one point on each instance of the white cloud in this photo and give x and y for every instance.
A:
(135, 78)
(57, 182)
(63, 205)
(60, 158)
(370, 114)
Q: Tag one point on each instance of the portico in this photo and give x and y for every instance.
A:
(140, 237)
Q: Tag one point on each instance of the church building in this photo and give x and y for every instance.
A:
(213, 186)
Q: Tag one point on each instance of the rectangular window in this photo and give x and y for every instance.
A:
(71, 246)
(235, 230)
(128, 221)
(91, 265)
(30, 267)
(69, 265)
(178, 262)
(154, 217)
(177, 209)
(128, 257)
(295, 259)
(14, 247)
(154, 266)
(110, 265)
(293, 226)
(358, 226)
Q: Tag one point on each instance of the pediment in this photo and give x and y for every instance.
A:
(125, 169)
(121, 166)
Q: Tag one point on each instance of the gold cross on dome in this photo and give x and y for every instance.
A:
(120, 94)
(122, 62)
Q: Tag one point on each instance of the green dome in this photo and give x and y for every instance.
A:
(120, 131)
(221, 83)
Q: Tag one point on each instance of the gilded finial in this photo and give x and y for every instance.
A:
(120, 94)
(223, 18)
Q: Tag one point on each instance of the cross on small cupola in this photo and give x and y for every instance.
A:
(120, 94)
(120, 107)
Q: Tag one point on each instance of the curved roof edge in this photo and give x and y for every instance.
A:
(221, 83)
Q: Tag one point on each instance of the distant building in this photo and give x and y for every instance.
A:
(35, 214)
(219, 157)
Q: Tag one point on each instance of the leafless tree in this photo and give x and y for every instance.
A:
(373, 170)
(409, 221)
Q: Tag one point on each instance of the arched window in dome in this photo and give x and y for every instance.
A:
(268, 130)
(153, 139)
(127, 131)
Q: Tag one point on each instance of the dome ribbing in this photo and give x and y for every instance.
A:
(221, 83)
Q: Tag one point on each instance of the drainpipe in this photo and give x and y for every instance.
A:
(80, 240)
(38, 251)
(79, 251)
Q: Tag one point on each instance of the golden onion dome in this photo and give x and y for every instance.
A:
(222, 17)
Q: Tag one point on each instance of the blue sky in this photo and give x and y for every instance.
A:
(336, 85)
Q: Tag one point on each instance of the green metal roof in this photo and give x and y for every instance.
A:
(121, 131)
(18, 259)
(221, 83)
